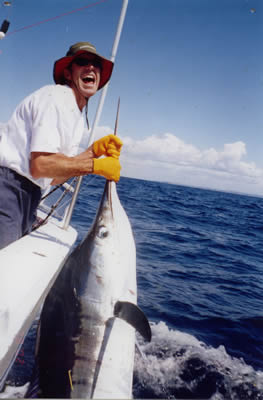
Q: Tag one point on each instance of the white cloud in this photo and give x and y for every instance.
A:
(168, 158)
(101, 131)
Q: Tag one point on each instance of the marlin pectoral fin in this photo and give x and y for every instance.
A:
(132, 314)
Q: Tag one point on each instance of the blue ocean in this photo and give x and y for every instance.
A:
(200, 283)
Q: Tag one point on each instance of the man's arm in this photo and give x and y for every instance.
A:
(61, 167)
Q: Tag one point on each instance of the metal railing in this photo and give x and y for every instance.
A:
(99, 108)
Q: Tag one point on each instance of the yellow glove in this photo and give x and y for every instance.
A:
(108, 167)
(108, 145)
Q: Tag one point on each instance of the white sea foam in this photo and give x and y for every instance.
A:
(17, 392)
(177, 362)
(2, 126)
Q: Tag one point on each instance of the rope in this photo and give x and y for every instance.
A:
(54, 18)
(54, 207)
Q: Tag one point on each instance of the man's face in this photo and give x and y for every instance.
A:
(84, 77)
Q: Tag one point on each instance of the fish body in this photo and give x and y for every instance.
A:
(85, 344)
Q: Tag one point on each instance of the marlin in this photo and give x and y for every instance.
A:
(86, 338)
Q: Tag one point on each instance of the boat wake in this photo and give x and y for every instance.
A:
(177, 365)
(14, 392)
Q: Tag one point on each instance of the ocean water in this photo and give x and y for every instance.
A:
(200, 283)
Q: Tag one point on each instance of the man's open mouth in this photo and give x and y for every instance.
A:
(88, 79)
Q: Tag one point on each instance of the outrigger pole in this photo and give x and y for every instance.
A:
(99, 109)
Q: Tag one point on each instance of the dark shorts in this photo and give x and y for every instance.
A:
(19, 198)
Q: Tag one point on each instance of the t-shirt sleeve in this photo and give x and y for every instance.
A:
(45, 125)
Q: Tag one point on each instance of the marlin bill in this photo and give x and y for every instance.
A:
(86, 337)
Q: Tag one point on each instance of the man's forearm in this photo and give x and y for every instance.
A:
(61, 167)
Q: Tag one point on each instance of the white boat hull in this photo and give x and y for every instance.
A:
(28, 268)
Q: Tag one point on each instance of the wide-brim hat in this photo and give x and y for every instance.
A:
(76, 50)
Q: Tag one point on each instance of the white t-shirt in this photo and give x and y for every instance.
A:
(48, 120)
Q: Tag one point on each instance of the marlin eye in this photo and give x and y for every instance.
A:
(103, 232)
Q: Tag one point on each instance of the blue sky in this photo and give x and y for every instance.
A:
(188, 72)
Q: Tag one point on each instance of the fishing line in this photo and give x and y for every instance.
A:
(54, 18)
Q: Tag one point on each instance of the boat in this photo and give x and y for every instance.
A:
(29, 266)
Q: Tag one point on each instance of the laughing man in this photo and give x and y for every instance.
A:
(41, 144)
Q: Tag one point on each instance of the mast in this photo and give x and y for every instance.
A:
(99, 108)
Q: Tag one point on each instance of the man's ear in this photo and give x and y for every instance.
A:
(67, 74)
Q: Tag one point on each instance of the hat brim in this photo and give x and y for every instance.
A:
(64, 62)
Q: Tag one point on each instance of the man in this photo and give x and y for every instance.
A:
(41, 144)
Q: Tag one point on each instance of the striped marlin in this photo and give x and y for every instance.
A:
(86, 337)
